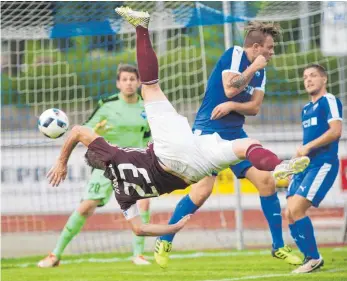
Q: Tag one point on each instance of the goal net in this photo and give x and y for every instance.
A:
(66, 54)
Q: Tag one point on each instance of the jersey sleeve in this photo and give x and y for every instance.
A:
(333, 108)
(231, 60)
(263, 83)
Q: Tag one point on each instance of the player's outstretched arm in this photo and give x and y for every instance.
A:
(78, 134)
(235, 83)
(142, 229)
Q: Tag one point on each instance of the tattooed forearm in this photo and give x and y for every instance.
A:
(238, 82)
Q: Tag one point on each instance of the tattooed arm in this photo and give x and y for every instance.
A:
(235, 83)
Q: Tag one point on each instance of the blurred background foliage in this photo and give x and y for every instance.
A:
(92, 61)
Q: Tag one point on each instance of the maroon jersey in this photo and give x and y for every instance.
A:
(135, 173)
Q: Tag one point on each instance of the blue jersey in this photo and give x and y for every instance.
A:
(233, 60)
(315, 122)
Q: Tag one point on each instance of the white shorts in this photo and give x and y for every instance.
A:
(171, 132)
(180, 150)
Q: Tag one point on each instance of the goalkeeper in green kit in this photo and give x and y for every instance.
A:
(121, 120)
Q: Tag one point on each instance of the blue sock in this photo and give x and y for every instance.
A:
(305, 229)
(299, 241)
(183, 208)
(272, 212)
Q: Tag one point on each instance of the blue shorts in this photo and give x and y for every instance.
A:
(241, 168)
(315, 182)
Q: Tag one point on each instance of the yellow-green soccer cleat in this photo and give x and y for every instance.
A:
(285, 253)
(162, 252)
(135, 18)
(291, 167)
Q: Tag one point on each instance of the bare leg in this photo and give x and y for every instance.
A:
(152, 93)
(139, 241)
(146, 58)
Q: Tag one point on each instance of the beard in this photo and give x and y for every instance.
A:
(313, 93)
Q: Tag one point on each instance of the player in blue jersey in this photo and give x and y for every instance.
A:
(322, 128)
(235, 89)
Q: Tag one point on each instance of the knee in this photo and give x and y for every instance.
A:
(87, 207)
(252, 141)
(288, 216)
(296, 212)
(248, 142)
(240, 146)
(266, 184)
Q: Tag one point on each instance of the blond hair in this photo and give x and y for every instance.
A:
(256, 32)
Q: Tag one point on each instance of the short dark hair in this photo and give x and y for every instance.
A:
(94, 161)
(256, 32)
(319, 67)
(127, 68)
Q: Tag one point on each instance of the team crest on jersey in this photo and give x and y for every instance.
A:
(257, 74)
(143, 115)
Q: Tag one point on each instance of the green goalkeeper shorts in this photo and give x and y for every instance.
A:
(98, 188)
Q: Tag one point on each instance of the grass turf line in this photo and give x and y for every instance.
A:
(211, 265)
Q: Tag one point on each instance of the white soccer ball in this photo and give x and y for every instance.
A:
(53, 123)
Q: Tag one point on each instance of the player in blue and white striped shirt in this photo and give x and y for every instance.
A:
(322, 128)
(236, 89)
(217, 112)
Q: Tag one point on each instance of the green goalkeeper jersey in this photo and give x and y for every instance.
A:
(128, 120)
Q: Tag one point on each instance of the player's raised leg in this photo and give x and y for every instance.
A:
(146, 58)
(265, 160)
(163, 119)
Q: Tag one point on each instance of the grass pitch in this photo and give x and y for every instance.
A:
(184, 266)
